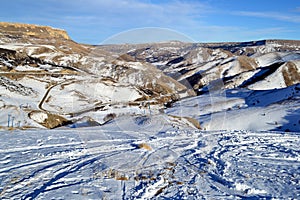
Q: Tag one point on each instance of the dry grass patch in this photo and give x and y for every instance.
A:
(194, 122)
(189, 120)
(291, 74)
(247, 62)
(144, 146)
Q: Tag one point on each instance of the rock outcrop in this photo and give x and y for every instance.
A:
(29, 30)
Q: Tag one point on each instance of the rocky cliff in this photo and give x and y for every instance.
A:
(29, 30)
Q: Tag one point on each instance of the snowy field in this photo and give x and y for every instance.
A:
(112, 163)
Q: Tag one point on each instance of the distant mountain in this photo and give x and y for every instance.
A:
(47, 79)
(265, 64)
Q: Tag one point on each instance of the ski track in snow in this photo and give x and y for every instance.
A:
(96, 164)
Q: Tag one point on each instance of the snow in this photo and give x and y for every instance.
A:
(76, 96)
(275, 80)
(248, 190)
(96, 163)
(249, 145)
(13, 46)
(179, 162)
(27, 68)
(6, 63)
(39, 117)
(271, 58)
(108, 161)
(276, 109)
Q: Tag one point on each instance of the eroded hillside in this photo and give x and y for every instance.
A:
(70, 80)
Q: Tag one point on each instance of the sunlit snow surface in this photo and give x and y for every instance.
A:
(111, 163)
(147, 156)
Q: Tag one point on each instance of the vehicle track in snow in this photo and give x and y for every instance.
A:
(57, 162)
(178, 164)
(230, 165)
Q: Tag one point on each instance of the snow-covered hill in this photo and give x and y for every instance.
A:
(244, 109)
(58, 77)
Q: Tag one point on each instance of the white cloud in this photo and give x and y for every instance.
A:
(270, 15)
(123, 15)
(132, 7)
(237, 33)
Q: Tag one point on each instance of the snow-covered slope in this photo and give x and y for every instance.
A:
(108, 163)
(236, 109)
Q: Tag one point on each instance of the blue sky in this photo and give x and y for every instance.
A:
(95, 21)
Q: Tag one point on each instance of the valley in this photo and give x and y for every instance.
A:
(147, 121)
